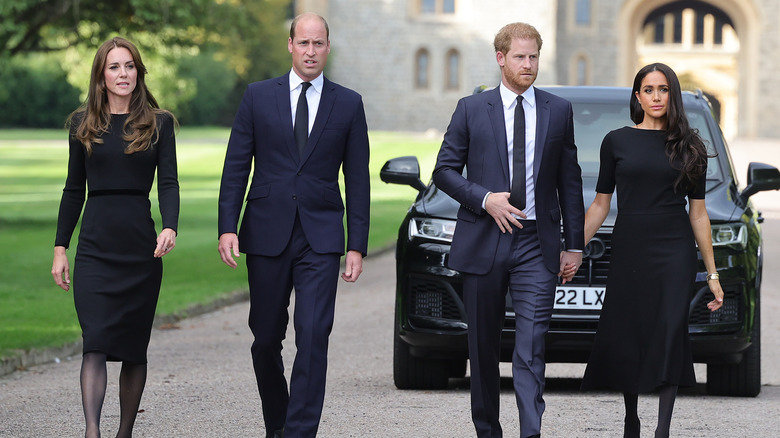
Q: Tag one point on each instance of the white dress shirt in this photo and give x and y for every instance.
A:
(509, 100)
(313, 95)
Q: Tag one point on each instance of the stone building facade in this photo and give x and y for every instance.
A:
(413, 59)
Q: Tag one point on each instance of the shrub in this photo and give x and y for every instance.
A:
(35, 93)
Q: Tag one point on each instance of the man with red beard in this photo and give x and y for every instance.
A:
(517, 144)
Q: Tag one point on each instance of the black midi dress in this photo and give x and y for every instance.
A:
(116, 278)
(642, 338)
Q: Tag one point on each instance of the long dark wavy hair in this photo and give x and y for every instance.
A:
(684, 147)
(93, 117)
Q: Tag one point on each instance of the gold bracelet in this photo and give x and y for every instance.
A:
(713, 276)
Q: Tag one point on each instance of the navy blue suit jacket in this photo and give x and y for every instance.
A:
(284, 183)
(476, 139)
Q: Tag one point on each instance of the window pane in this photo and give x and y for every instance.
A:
(582, 11)
(582, 72)
(422, 69)
(453, 72)
(428, 6)
(448, 6)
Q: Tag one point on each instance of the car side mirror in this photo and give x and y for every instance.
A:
(403, 170)
(760, 177)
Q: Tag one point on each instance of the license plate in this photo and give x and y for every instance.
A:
(590, 298)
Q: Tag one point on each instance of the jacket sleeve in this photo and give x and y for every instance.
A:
(452, 158)
(357, 182)
(237, 166)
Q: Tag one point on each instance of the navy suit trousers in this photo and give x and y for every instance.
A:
(271, 280)
(519, 270)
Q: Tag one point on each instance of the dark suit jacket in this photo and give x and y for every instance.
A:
(284, 183)
(476, 139)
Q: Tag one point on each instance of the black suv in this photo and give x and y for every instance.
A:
(430, 323)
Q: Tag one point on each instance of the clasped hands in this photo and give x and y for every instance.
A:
(505, 214)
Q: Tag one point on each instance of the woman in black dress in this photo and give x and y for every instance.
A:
(119, 138)
(642, 341)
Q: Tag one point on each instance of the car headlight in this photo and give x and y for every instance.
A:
(429, 228)
(729, 234)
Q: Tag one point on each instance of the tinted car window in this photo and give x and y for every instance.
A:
(592, 121)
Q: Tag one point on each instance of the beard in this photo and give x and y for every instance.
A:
(519, 80)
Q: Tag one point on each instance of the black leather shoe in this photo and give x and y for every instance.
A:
(275, 434)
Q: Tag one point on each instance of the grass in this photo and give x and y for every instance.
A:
(34, 313)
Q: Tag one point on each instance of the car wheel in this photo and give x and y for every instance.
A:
(744, 378)
(411, 372)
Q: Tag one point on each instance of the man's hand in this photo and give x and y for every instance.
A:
(570, 263)
(229, 242)
(498, 206)
(353, 266)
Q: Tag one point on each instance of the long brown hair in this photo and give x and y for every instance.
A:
(683, 143)
(93, 117)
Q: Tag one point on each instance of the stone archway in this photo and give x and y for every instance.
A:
(722, 70)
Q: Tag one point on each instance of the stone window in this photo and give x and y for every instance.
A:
(453, 70)
(422, 66)
(436, 7)
(582, 71)
(582, 11)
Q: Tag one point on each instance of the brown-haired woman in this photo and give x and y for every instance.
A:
(119, 138)
(642, 341)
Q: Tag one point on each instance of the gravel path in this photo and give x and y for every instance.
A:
(201, 384)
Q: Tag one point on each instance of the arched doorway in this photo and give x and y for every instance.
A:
(708, 44)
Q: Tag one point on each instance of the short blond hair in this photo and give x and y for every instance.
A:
(523, 31)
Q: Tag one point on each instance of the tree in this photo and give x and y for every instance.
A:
(51, 25)
(247, 37)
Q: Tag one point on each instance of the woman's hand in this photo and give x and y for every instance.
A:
(166, 241)
(60, 269)
(717, 303)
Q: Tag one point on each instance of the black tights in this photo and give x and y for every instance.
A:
(132, 380)
(666, 396)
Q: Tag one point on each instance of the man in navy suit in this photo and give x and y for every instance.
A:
(298, 130)
(522, 177)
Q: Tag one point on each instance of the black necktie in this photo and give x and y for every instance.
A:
(301, 128)
(517, 194)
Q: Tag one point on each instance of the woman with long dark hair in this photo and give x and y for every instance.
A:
(659, 167)
(119, 138)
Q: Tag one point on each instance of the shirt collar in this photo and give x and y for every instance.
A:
(508, 96)
(296, 81)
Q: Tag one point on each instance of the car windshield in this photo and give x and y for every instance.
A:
(592, 121)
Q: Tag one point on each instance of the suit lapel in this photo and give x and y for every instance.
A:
(285, 113)
(497, 122)
(327, 100)
(542, 124)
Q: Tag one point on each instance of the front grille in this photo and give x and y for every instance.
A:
(595, 261)
(731, 312)
(434, 299)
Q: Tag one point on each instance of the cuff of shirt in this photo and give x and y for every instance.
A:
(484, 200)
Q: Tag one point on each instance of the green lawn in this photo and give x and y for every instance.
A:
(34, 313)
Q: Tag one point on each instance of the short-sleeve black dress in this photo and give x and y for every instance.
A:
(642, 339)
(116, 279)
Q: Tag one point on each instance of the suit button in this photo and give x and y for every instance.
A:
(295, 197)
(299, 173)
